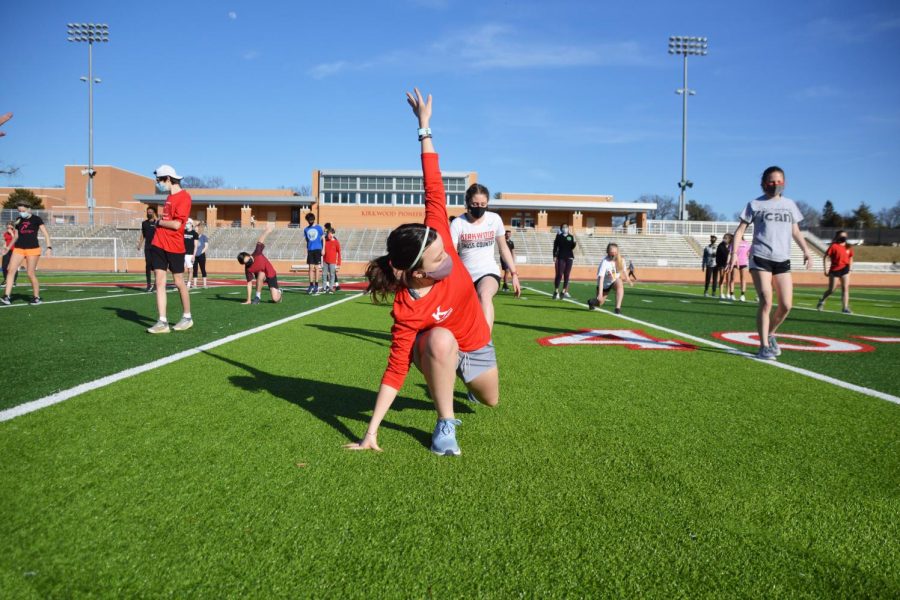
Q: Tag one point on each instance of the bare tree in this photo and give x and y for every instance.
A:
(890, 217)
(194, 182)
(811, 215)
(666, 206)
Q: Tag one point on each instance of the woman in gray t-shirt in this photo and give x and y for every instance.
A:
(775, 221)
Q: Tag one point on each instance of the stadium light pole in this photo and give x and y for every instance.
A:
(90, 33)
(685, 46)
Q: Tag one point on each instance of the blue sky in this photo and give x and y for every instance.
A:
(565, 97)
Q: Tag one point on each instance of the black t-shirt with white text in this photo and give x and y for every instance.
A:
(28, 232)
(190, 238)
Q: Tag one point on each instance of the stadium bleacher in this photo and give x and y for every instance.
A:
(361, 245)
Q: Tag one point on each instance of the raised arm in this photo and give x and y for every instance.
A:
(422, 109)
(265, 234)
(435, 196)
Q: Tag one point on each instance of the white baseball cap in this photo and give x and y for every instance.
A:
(167, 171)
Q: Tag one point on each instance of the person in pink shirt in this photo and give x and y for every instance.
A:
(743, 261)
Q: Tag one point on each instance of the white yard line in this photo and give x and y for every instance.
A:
(17, 304)
(812, 374)
(833, 312)
(34, 405)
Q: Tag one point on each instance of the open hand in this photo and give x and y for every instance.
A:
(420, 106)
(369, 442)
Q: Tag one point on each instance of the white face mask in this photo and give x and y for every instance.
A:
(24, 214)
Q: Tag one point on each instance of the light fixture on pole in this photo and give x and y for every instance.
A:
(90, 33)
(685, 46)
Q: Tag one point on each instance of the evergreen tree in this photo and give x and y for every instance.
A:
(830, 217)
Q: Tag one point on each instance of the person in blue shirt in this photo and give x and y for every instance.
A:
(314, 234)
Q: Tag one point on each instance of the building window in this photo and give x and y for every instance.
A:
(409, 183)
(375, 198)
(456, 199)
(455, 184)
(408, 198)
(376, 183)
(339, 198)
(339, 182)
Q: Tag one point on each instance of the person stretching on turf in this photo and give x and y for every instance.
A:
(775, 220)
(610, 274)
(438, 323)
(257, 268)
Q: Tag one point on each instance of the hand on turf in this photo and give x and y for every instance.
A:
(247, 302)
(369, 442)
(517, 287)
(420, 106)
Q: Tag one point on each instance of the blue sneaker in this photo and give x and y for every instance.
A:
(766, 353)
(773, 346)
(471, 398)
(443, 440)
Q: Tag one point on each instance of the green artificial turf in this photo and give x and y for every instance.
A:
(67, 343)
(685, 309)
(604, 471)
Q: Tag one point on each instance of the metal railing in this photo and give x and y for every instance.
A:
(118, 217)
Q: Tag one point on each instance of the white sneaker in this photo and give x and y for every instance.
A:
(743, 298)
(183, 324)
(159, 327)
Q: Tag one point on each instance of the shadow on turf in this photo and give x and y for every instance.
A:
(130, 315)
(366, 335)
(328, 402)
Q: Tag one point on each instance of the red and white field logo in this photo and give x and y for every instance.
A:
(810, 343)
(630, 338)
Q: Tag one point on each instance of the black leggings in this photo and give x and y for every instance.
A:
(711, 273)
(563, 269)
(148, 268)
(200, 262)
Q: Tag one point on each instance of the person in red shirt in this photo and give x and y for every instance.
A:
(257, 268)
(331, 260)
(167, 248)
(840, 255)
(438, 322)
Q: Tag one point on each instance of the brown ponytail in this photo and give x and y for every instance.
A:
(392, 272)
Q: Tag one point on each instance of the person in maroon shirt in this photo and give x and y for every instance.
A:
(167, 248)
(257, 268)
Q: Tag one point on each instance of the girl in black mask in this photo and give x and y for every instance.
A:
(840, 257)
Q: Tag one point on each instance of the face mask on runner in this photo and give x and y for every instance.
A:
(477, 211)
(161, 187)
(24, 214)
(443, 270)
(774, 189)
(842, 239)
(564, 230)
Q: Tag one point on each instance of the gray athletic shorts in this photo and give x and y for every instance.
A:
(472, 364)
